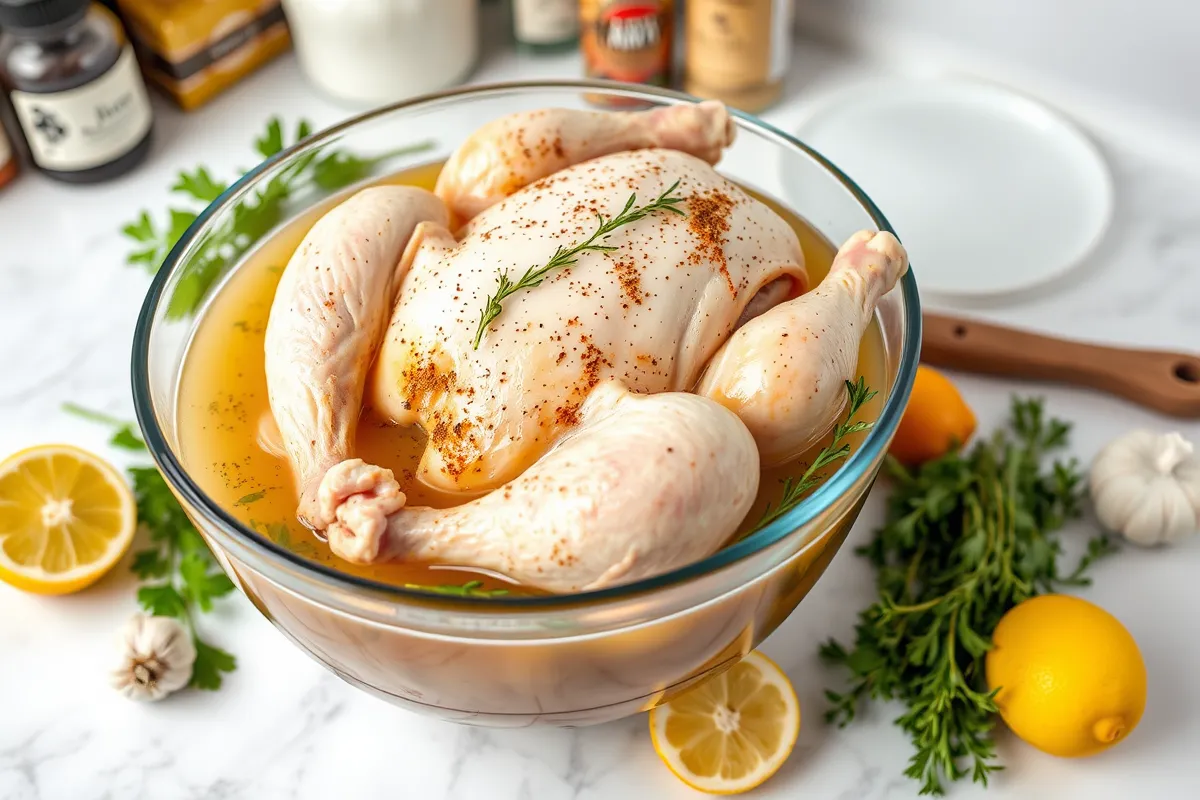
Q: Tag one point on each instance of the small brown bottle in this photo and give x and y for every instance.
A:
(8, 160)
(74, 83)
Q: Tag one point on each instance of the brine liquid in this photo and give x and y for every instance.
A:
(223, 402)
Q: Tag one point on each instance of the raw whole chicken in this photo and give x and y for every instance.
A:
(608, 423)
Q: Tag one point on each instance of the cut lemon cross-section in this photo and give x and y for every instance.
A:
(732, 732)
(66, 517)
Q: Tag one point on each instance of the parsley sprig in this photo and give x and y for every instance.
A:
(568, 256)
(179, 576)
(967, 537)
(836, 450)
(251, 218)
(125, 434)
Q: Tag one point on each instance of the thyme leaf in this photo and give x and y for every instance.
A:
(567, 256)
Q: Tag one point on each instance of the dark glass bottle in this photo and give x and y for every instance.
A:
(72, 78)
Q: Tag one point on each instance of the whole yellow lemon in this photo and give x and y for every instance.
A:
(1071, 678)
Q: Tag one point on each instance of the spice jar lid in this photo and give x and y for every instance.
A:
(30, 14)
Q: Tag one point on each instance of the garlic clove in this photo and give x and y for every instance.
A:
(1173, 450)
(156, 655)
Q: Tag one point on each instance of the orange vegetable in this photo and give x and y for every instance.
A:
(935, 420)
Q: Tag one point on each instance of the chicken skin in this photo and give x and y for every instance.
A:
(610, 421)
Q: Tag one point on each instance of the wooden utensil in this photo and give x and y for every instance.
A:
(1165, 382)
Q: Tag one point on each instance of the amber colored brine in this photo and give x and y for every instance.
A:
(223, 414)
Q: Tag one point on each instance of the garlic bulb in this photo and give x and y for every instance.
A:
(157, 654)
(1146, 486)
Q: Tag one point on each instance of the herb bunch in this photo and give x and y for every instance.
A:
(966, 537)
(836, 450)
(568, 256)
(179, 576)
(251, 219)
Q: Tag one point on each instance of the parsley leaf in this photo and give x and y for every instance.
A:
(253, 497)
(199, 184)
(200, 584)
(163, 600)
(210, 663)
(270, 142)
(127, 438)
(251, 218)
(150, 564)
(140, 230)
(126, 435)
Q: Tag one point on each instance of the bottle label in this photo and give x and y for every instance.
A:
(88, 126)
(735, 44)
(630, 41)
(545, 21)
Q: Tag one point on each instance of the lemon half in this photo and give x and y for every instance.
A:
(66, 517)
(732, 732)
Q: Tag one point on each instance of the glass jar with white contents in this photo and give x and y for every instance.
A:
(373, 52)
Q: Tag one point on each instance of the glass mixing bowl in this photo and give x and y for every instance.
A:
(565, 660)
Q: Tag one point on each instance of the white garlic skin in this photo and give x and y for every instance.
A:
(1146, 486)
(156, 658)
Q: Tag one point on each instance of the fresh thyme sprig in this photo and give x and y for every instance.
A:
(565, 257)
(967, 536)
(794, 489)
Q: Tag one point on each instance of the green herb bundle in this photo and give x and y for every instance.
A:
(967, 537)
(179, 576)
(251, 219)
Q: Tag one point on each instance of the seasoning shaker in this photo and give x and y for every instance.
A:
(73, 80)
(545, 26)
(627, 40)
(737, 51)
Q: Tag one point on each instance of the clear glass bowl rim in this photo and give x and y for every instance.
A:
(806, 511)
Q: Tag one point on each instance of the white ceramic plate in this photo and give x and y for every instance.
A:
(991, 192)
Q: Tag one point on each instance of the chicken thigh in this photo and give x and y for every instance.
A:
(676, 468)
(616, 410)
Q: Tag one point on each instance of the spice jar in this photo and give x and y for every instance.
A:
(74, 83)
(737, 51)
(8, 160)
(627, 40)
(546, 26)
(373, 52)
(195, 49)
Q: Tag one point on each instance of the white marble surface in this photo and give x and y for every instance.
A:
(282, 727)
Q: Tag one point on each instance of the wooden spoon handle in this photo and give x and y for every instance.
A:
(1165, 382)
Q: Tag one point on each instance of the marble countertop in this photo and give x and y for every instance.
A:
(282, 727)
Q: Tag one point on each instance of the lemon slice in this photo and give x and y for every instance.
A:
(732, 732)
(66, 517)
